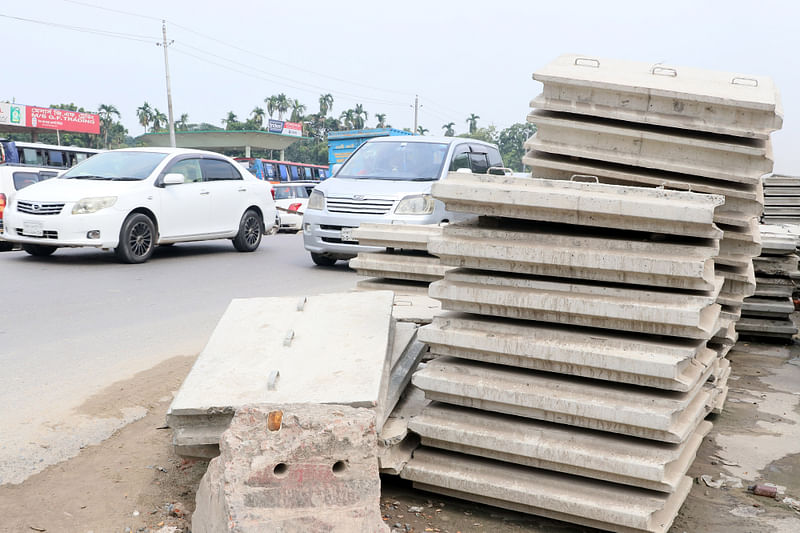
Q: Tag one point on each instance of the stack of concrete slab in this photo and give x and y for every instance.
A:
(767, 314)
(406, 257)
(572, 377)
(651, 125)
(781, 199)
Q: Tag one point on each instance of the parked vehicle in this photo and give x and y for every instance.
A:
(133, 199)
(387, 180)
(290, 201)
(12, 179)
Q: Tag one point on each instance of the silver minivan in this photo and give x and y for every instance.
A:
(387, 180)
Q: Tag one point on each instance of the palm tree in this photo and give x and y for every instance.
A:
(258, 116)
(230, 121)
(359, 117)
(381, 118)
(145, 114)
(272, 104)
(422, 131)
(347, 118)
(281, 105)
(183, 122)
(325, 104)
(449, 131)
(473, 123)
(297, 110)
(158, 119)
(106, 113)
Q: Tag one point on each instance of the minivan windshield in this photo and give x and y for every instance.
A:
(116, 166)
(401, 160)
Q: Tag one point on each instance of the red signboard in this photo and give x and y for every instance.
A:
(60, 119)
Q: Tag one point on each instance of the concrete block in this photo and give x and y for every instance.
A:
(681, 151)
(416, 308)
(778, 180)
(738, 281)
(413, 267)
(591, 454)
(767, 328)
(577, 253)
(768, 307)
(583, 204)
(655, 311)
(395, 442)
(778, 265)
(742, 201)
(776, 240)
(636, 411)
(678, 97)
(399, 287)
(774, 287)
(741, 241)
(293, 468)
(664, 363)
(406, 353)
(278, 350)
(398, 236)
(591, 503)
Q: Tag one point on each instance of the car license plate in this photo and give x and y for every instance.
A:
(347, 234)
(33, 229)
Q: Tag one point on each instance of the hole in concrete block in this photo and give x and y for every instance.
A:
(280, 470)
(339, 467)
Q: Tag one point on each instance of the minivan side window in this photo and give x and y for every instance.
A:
(218, 170)
(479, 163)
(460, 158)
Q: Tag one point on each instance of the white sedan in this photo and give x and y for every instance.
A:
(134, 199)
(290, 200)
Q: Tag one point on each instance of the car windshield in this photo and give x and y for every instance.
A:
(116, 165)
(283, 192)
(404, 161)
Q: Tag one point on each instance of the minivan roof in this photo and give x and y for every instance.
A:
(426, 138)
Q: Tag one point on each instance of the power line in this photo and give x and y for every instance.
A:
(82, 29)
(113, 10)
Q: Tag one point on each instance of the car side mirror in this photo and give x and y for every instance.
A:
(173, 178)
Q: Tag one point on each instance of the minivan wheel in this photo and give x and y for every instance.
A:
(249, 236)
(137, 239)
(322, 260)
(39, 250)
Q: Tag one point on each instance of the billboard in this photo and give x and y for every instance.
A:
(295, 129)
(48, 119)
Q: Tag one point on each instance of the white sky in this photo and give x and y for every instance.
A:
(460, 57)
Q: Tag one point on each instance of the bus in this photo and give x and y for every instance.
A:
(42, 155)
(269, 170)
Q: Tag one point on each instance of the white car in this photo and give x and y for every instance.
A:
(134, 199)
(12, 179)
(290, 200)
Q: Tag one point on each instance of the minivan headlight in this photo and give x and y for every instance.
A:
(421, 204)
(84, 206)
(316, 200)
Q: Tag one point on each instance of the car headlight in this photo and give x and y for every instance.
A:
(85, 206)
(316, 201)
(415, 205)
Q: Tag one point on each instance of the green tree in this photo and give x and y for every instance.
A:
(422, 131)
(511, 142)
(145, 114)
(449, 131)
(282, 105)
(231, 122)
(472, 120)
(183, 122)
(360, 117)
(325, 104)
(272, 105)
(159, 120)
(347, 119)
(297, 110)
(257, 117)
(106, 112)
(381, 118)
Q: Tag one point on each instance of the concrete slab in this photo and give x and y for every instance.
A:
(399, 236)
(395, 442)
(293, 468)
(768, 307)
(774, 287)
(591, 454)
(664, 363)
(272, 350)
(584, 204)
(679, 97)
(767, 328)
(597, 504)
(406, 353)
(655, 311)
(416, 308)
(682, 151)
(577, 253)
(779, 180)
(393, 265)
(636, 411)
(777, 240)
(399, 287)
(778, 265)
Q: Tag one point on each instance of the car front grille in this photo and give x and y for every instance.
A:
(48, 234)
(40, 208)
(367, 206)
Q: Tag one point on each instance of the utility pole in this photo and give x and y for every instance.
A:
(416, 112)
(165, 44)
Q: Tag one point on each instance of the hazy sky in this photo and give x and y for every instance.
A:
(460, 57)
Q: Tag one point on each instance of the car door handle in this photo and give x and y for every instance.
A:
(204, 193)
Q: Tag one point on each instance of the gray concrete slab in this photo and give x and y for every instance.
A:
(774, 287)
(636, 411)
(654, 311)
(777, 240)
(778, 180)
(793, 191)
(674, 96)
(665, 363)
(395, 442)
(576, 253)
(273, 350)
(591, 454)
(764, 327)
(416, 308)
(768, 307)
(792, 202)
(400, 236)
(399, 287)
(778, 265)
(396, 265)
(585, 204)
(407, 352)
(597, 504)
(682, 151)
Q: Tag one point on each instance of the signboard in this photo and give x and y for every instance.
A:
(60, 119)
(12, 115)
(295, 129)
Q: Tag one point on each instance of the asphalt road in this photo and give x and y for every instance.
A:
(74, 323)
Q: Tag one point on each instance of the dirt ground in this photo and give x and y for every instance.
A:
(134, 482)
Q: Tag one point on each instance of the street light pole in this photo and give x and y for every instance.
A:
(169, 90)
